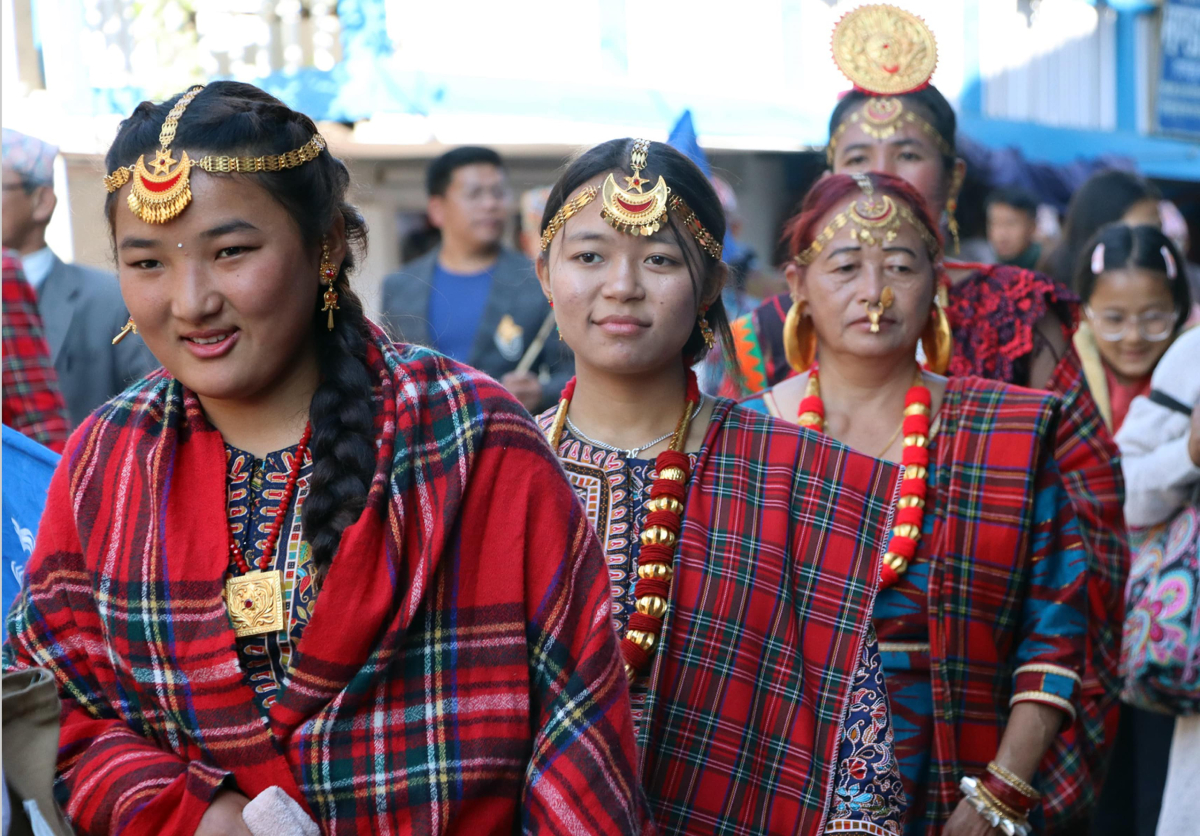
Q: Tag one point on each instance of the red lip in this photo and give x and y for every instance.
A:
(210, 351)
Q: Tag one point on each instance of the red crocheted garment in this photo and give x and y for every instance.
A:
(994, 314)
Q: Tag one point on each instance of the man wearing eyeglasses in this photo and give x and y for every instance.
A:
(473, 298)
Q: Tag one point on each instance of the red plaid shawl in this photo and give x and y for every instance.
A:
(774, 583)
(459, 673)
(33, 403)
(1002, 590)
(993, 313)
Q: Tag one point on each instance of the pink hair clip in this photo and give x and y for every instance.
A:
(1098, 259)
(1169, 261)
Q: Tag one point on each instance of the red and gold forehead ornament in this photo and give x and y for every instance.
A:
(632, 210)
(885, 52)
(160, 196)
(874, 220)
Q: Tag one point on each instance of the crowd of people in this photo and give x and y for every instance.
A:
(582, 537)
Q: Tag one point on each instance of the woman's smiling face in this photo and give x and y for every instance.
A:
(625, 304)
(226, 294)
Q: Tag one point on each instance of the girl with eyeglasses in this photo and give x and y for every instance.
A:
(1136, 301)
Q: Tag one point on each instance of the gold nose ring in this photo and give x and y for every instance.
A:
(875, 310)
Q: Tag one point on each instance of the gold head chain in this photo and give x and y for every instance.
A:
(634, 211)
(159, 197)
(875, 220)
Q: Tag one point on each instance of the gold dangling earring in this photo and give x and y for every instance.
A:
(952, 207)
(328, 274)
(799, 338)
(130, 328)
(710, 339)
(937, 340)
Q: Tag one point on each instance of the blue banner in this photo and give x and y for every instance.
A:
(1179, 84)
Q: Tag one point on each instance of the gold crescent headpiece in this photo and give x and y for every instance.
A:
(874, 221)
(635, 212)
(159, 197)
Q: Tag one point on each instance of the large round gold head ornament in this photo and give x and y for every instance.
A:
(884, 51)
(159, 196)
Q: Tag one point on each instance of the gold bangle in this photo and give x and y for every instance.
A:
(1013, 781)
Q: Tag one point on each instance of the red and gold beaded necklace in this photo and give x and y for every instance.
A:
(660, 532)
(910, 509)
(254, 598)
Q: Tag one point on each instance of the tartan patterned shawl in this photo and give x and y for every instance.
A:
(32, 402)
(1086, 454)
(459, 673)
(1090, 464)
(775, 577)
(998, 582)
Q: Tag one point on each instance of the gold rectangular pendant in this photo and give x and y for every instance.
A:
(255, 602)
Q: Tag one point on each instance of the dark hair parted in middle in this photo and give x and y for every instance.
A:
(232, 118)
(1103, 199)
(1137, 248)
(834, 191)
(441, 171)
(687, 181)
(929, 104)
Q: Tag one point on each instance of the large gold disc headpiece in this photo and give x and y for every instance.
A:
(160, 196)
(884, 51)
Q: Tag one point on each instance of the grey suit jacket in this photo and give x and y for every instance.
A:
(82, 311)
(515, 299)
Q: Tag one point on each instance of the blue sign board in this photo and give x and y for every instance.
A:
(1179, 85)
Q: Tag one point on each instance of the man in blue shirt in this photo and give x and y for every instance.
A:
(473, 298)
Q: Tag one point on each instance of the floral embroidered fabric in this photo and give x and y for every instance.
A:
(868, 793)
(255, 488)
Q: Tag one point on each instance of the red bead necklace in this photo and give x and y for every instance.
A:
(910, 509)
(254, 598)
(660, 533)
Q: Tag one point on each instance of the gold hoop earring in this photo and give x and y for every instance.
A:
(937, 340)
(328, 274)
(130, 328)
(799, 338)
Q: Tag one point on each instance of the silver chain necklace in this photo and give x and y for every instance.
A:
(632, 452)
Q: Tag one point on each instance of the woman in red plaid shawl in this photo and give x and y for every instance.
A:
(743, 553)
(1008, 323)
(304, 573)
(982, 619)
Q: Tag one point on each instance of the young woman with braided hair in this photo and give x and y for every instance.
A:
(744, 553)
(273, 579)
